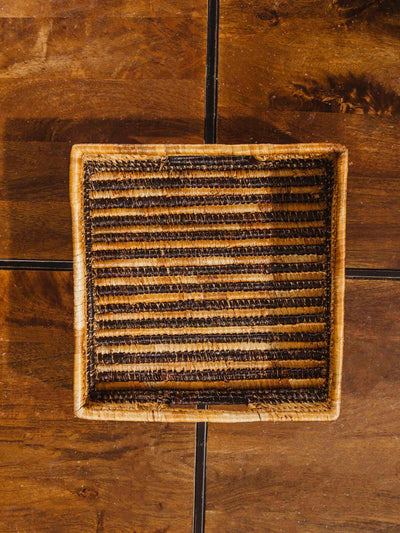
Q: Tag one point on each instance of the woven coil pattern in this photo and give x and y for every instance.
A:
(208, 279)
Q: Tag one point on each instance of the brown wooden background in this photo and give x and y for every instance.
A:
(135, 71)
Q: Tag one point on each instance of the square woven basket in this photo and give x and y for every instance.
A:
(208, 276)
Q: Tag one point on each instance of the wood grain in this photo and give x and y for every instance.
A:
(70, 73)
(315, 71)
(63, 474)
(312, 477)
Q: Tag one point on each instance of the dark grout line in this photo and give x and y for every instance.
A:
(210, 137)
(373, 273)
(200, 473)
(211, 104)
(35, 264)
(392, 274)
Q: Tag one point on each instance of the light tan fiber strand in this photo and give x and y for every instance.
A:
(261, 152)
(198, 346)
(199, 296)
(212, 260)
(338, 279)
(194, 192)
(254, 412)
(214, 243)
(254, 207)
(132, 315)
(280, 383)
(181, 366)
(80, 297)
(240, 174)
(291, 328)
(160, 280)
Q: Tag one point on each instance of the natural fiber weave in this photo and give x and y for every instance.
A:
(208, 275)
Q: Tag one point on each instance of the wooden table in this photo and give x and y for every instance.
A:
(124, 71)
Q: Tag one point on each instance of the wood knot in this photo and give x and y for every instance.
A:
(269, 15)
(87, 492)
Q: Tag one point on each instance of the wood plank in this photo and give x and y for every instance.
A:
(317, 71)
(373, 223)
(77, 8)
(95, 47)
(310, 477)
(72, 74)
(64, 474)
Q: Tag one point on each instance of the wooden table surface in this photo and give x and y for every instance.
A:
(135, 71)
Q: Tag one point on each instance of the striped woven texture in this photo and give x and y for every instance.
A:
(208, 279)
